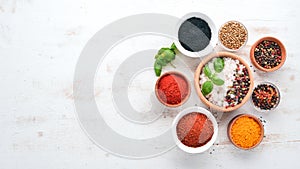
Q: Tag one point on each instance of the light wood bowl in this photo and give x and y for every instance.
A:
(197, 80)
(283, 54)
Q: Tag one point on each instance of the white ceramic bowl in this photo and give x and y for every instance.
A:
(228, 49)
(213, 40)
(192, 149)
(267, 83)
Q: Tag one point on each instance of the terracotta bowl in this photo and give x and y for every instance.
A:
(283, 53)
(183, 99)
(234, 120)
(197, 80)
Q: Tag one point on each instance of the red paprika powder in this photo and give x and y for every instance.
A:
(194, 129)
(172, 88)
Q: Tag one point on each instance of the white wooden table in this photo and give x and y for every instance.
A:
(40, 42)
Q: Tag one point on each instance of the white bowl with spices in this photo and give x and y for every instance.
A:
(196, 35)
(265, 96)
(233, 36)
(195, 129)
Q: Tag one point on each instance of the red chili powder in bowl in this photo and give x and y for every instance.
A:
(172, 88)
(194, 129)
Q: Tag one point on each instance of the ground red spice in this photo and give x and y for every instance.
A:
(172, 89)
(194, 129)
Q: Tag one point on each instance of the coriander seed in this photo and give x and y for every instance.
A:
(233, 35)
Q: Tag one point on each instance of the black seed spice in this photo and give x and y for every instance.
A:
(194, 34)
(265, 97)
(268, 54)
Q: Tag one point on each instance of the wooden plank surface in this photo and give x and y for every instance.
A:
(40, 42)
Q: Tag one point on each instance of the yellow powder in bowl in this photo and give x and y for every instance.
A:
(246, 132)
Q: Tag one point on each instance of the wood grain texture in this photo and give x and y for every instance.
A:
(40, 42)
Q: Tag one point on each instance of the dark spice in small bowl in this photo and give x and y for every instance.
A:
(268, 54)
(194, 34)
(265, 96)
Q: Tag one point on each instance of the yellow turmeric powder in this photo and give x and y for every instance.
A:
(245, 132)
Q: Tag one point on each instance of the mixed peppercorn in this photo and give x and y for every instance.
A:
(265, 96)
(268, 54)
(240, 87)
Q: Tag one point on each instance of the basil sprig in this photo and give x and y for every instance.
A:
(163, 57)
(207, 86)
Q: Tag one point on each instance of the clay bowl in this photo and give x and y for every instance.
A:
(162, 100)
(197, 80)
(234, 120)
(283, 53)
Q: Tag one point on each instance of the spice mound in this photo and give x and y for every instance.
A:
(224, 82)
(172, 88)
(268, 54)
(265, 96)
(233, 35)
(194, 129)
(246, 132)
(194, 34)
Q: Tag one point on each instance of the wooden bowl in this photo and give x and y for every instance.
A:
(183, 99)
(283, 54)
(234, 120)
(197, 80)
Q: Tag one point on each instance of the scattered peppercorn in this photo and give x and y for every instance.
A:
(268, 54)
(265, 96)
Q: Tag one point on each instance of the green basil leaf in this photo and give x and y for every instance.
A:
(207, 87)
(161, 61)
(207, 71)
(219, 65)
(168, 55)
(163, 57)
(157, 68)
(173, 47)
(162, 50)
(216, 80)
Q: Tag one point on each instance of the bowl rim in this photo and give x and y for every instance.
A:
(213, 41)
(228, 49)
(276, 88)
(191, 110)
(197, 80)
(178, 74)
(283, 54)
(233, 120)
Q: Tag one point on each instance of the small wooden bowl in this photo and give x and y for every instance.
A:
(197, 80)
(234, 120)
(283, 54)
(183, 99)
